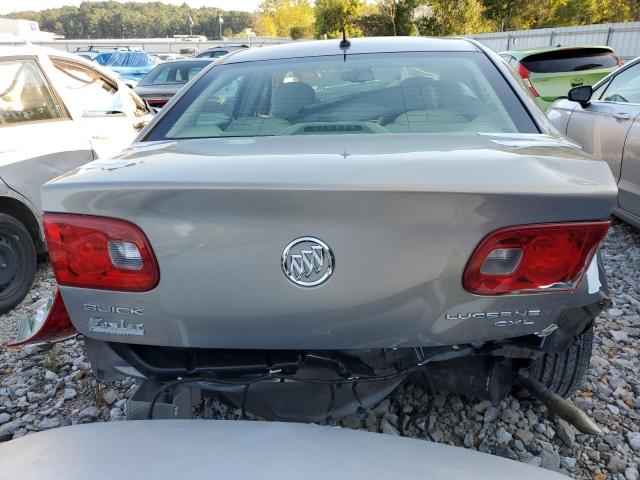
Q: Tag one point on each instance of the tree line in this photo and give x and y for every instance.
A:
(112, 19)
(301, 18)
(326, 18)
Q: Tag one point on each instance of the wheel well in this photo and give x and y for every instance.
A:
(21, 212)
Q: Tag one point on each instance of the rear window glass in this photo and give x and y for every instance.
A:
(173, 72)
(570, 60)
(368, 93)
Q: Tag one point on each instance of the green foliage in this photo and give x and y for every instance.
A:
(525, 14)
(302, 19)
(52, 360)
(112, 19)
(283, 18)
(296, 33)
(332, 15)
(455, 17)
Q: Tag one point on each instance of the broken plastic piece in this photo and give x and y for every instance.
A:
(49, 323)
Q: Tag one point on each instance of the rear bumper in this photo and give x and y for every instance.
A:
(112, 360)
(332, 383)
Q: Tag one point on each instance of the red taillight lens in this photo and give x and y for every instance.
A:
(619, 61)
(99, 252)
(56, 327)
(524, 73)
(157, 103)
(533, 258)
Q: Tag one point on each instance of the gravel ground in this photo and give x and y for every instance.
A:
(46, 388)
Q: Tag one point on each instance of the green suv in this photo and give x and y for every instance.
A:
(551, 72)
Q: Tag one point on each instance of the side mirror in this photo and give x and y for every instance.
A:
(581, 95)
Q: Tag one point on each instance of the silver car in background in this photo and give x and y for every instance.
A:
(308, 225)
(605, 120)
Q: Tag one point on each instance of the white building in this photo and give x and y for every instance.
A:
(23, 30)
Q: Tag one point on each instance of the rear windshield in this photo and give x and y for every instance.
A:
(368, 93)
(574, 60)
(173, 72)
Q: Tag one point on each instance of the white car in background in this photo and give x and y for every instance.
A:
(57, 112)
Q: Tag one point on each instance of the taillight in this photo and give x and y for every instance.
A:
(99, 252)
(157, 103)
(619, 61)
(533, 258)
(524, 73)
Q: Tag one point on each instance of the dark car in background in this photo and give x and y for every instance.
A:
(164, 81)
(551, 72)
(221, 51)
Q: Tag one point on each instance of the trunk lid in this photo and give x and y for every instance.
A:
(400, 213)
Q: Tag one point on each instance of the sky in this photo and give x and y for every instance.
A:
(8, 6)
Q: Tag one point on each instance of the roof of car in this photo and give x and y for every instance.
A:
(33, 51)
(185, 61)
(190, 59)
(525, 52)
(358, 45)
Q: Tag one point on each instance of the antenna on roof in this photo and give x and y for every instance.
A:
(344, 43)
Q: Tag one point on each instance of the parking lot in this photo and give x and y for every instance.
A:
(42, 389)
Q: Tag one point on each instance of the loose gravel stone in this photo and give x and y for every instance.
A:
(110, 396)
(502, 436)
(631, 474)
(509, 416)
(387, 428)
(518, 427)
(491, 414)
(566, 432)
(49, 423)
(89, 413)
(550, 460)
(634, 440)
(617, 464)
(568, 463)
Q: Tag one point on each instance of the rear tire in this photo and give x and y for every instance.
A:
(17, 262)
(564, 372)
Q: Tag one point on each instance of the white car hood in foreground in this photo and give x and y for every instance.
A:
(185, 449)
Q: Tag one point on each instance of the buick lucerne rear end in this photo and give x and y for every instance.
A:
(306, 226)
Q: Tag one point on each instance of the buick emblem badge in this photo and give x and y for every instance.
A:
(308, 262)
